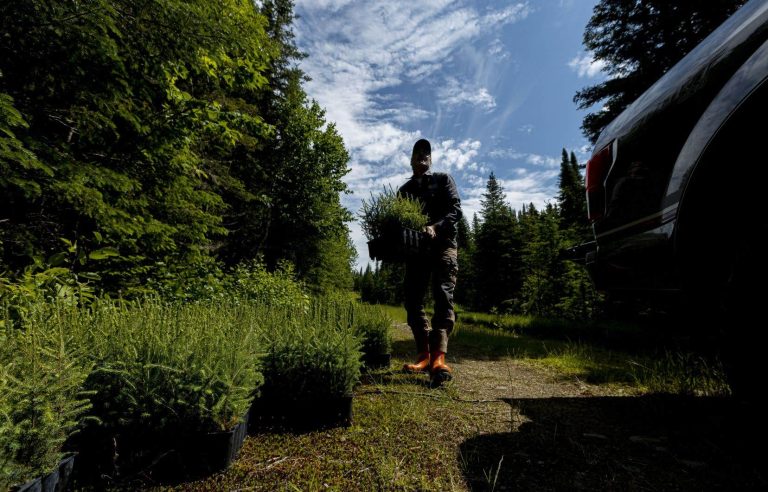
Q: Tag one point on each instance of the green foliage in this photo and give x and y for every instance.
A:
(201, 281)
(572, 199)
(389, 210)
(381, 284)
(333, 270)
(38, 283)
(373, 326)
(467, 277)
(497, 255)
(579, 299)
(292, 210)
(277, 289)
(247, 281)
(42, 371)
(681, 373)
(127, 107)
(163, 138)
(543, 269)
(189, 368)
(18, 165)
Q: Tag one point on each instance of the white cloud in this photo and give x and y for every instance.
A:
(527, 129)
(542, 160)
(497, 50)
(323, 4)
(451, 155)
(401, 113)
(351, 57)
(513, 13)
(527, 157)
(537, 187)
(585, 65)
(359, 49)
(454, 94)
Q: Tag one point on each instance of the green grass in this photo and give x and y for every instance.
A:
(397, 313)
(406, 436)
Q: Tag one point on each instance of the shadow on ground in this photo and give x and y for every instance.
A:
(627, 443)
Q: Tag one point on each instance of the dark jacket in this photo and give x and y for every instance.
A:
(438, 193)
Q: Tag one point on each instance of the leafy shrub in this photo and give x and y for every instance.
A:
(388, 210)
(253, 282)
(202, 281)
(41, 399)
(312, 354)
(42, 282)
(247, 281)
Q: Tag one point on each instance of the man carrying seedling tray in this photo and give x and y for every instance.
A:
(438, 193)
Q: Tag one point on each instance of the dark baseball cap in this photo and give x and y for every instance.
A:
(422, 147)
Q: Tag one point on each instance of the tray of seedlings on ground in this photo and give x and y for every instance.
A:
(311, 365)
(41, 398)
(171, 387)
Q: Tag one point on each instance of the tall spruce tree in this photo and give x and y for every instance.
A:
(497, 256)
(543, 270)
(639, 40)
(571, 197)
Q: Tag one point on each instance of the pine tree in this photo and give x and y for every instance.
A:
(543, 279)
(493, 202)
(497, 256)
(572, 196)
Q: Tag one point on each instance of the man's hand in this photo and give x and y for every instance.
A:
(430, 230)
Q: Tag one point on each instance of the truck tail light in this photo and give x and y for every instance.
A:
(597, 170)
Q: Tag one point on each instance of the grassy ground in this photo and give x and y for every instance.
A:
(522, 412)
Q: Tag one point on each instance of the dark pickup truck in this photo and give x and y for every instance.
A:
(677, 182)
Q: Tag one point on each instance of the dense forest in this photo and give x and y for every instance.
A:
(155, 145)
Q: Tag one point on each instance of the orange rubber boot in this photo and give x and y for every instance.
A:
(421, 364)
(439, 369)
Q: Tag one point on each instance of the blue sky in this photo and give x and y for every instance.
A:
(489, 83)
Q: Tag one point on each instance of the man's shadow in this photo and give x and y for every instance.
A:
(628, 443)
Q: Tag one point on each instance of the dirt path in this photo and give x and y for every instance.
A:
(560, 433)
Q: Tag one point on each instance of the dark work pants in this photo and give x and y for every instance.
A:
(441, 264)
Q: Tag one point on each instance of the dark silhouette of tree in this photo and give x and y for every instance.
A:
(639, 40)
(571, 198)
(497, 253)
